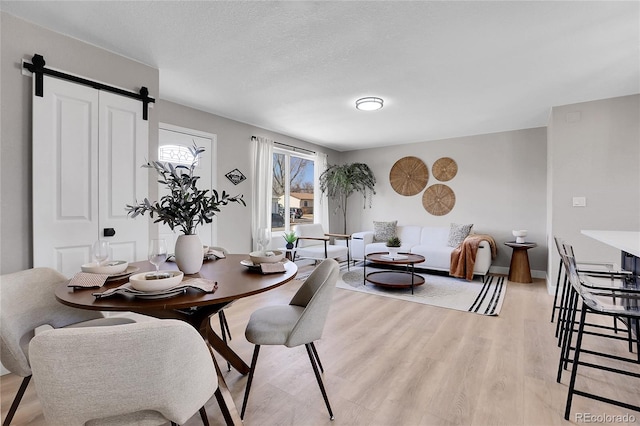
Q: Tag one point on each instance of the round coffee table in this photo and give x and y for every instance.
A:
(397, 279)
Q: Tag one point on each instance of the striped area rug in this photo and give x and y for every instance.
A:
(438, 290)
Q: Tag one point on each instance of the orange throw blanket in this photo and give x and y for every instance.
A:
(463, 257)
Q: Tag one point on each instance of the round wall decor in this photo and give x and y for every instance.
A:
(444, 169)
(438, 199)
(409, 176)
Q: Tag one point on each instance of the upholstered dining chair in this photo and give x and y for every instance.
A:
(299, 323)
(314, 243)
(144, 373)
(28, 302)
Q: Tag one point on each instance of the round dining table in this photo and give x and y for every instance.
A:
(234, 281)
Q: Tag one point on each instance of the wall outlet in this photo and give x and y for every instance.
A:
(579, 201)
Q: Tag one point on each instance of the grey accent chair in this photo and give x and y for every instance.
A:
(28, 302)
(299, 323)
(145, 373)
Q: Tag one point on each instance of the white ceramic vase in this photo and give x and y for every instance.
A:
(189, 254)
(393, 251)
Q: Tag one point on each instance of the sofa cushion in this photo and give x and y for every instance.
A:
(382, 231)
(457, 234)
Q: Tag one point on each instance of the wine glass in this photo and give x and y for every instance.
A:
(264, 238)
(101, 251)
(157, 253)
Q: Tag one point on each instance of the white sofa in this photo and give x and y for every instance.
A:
(428, 241)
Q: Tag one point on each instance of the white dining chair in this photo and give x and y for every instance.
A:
(28, 302)
(143, 373)
(301, 322)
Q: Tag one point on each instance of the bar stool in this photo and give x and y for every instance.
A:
(617, 303)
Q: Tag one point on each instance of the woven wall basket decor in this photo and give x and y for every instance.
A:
(438, 199)
(409, 176)
(444, 169)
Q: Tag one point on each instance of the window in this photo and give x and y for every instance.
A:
(292, 192)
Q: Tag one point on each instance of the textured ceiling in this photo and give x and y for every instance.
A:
(444, 69)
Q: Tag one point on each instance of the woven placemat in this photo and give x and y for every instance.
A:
(409, 176)
(438, 199)
(444, 169)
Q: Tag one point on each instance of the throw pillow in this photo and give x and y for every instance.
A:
(457, 233)
(382, 231)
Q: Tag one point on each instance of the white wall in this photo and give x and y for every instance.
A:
(594, 152)
(500, 186)
(234, 151)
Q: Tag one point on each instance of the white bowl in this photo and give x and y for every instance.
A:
(520, 233)
(110, 268)
(141, 283)
(270, 256)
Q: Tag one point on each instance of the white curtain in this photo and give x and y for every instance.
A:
(321, 211)
(262, 187)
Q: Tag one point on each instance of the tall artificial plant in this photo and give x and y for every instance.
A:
(340, 181)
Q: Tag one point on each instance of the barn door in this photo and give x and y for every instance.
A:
(87, 148)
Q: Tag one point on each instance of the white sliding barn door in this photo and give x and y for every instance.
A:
(87, 148)
(123, 146)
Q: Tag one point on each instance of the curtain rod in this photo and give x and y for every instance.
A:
(37, 67)
(294, 148)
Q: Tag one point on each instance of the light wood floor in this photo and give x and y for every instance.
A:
(391, 362)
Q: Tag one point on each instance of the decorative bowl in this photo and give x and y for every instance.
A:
(140, 281)
(269, 256)
(109, 268)
(519, 235)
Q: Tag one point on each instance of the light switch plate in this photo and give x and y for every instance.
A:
(579, 201)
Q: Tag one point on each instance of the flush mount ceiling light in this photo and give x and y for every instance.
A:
(369, 104)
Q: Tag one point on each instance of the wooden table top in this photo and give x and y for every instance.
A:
(234, 280)
(381, 258)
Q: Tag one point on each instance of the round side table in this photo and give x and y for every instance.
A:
(519, 270)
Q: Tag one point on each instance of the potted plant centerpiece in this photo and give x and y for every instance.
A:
(393, 244)
(185, 207)
(290, 238)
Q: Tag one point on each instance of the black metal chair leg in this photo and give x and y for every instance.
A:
(555, 296)
(16, 401)
(254, 360)
(564, 303)
(576, 357)
(315, 353)
(317, 373)
(203, 416)
(224, 330)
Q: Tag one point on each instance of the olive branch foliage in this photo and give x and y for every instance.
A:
(186, 206)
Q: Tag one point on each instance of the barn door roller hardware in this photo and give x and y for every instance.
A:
(37, 68)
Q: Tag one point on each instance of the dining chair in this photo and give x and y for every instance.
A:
(301, 322)
(619, 303)
(314, 243)
(28, 303)
(144, 373)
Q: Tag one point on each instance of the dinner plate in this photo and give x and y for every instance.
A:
(130, 270)
(249, 264)
(111, 267)
(161, 295)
